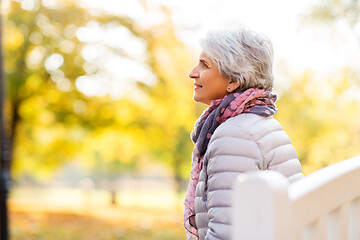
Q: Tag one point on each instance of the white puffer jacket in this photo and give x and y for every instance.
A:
(243, 143)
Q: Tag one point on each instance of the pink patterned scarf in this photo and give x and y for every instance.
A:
(253, 100)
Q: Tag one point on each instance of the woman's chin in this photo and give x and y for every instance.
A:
(198, 99)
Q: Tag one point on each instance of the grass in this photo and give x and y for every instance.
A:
(68, 214)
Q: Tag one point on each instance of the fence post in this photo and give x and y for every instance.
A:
(260, 207)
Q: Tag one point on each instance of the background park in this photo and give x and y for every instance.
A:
(98, 104)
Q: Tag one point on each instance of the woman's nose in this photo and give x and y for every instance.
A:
(193, 73)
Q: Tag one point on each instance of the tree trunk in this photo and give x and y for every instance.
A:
(113, 197)
(15, 120)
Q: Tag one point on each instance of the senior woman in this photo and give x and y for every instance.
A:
(237, 132)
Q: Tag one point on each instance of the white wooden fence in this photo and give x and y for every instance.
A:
(322, 205)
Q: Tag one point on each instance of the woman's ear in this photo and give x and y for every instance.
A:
(232, 85)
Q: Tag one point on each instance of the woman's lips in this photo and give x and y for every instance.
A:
(197, 87)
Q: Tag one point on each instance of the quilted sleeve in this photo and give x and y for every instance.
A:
(278, 152)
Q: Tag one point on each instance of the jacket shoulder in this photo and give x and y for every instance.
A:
(255, 125)
(261, 138)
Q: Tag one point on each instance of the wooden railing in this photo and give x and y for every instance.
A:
(322, 205)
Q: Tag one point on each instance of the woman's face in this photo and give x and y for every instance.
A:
(209, 83)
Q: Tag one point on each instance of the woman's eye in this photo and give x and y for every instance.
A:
(204, 65)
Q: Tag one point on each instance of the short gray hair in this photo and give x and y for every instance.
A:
(243, 55)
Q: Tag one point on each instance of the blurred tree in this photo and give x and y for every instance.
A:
(320, 118)
(172, 105)
(35, 61)
(330, 11)
(43, 60)
(57, 67)
(319, 114)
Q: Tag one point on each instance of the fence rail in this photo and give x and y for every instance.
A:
(322, 205)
